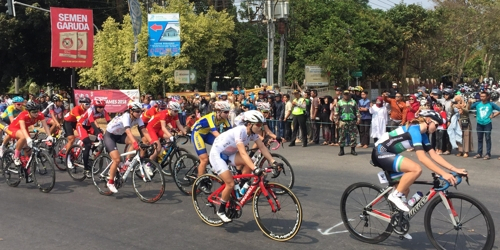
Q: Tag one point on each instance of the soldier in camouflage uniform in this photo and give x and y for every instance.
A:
(346, 117)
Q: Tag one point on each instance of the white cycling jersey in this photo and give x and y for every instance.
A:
(58, 111)
(226, 142)
(119, 124)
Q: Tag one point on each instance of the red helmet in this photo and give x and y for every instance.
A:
(99, 103)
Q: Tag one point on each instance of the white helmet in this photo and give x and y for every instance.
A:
(254, 116)
(263, 106)
(223, 94)
(134, 105)
(175, 106)
(222, 106)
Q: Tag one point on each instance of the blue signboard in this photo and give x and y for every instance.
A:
(164, 34)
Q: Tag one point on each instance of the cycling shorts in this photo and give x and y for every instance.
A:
(3, 125)
(199, 141)
(110, 141)
(83, 131)
(69, 128)
(12, 131)
(388, 161)
(219, 161)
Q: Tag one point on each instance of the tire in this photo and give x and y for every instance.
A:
(44, 172)
(352, 209)
(100, 167)
(469, 235)
(185, 172)
(13, 175)
(206, 210)
(286, 177)
(149, 190)
(74, 156)
(285, 222)
(173, 159)
(59, 161)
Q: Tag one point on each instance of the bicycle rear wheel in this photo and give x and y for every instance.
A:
(74, 156)
(206, 210)
(185, 172)
(101, 167)
(286, 176)
(174, 157)
(11, 172)
(353, 209)
(56, 150)
(475, 228)
(284, 223)
(44, 173)
(151, 189)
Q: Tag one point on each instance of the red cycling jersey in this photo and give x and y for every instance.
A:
(28, 120)
(149, 114)
(154, 123)
(75, 114)
(91, 115)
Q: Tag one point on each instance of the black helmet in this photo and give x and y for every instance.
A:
(84, 100)
(437, 92)
(262, 92)
(448, 91)
(435, 116)
(30, 106)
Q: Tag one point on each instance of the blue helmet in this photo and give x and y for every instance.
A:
(17, 99)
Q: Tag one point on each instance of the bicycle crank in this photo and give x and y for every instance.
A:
(400, 223)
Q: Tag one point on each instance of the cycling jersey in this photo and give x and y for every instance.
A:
(11, 111)
(28, 121)
(53, 111)
(201, 131)
(155, 121)
(146, 116)
(75, 114)
(120, 123)
(91, 115)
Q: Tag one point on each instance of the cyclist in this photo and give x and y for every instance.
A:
(157, 126)
(386, 155)
(18, 129)
(88, 124)
(119, 131)
(71, 120)
(205, 130)
(146, 116)
(10, 113)
(230, 147)
(265, 109)
(54, 113)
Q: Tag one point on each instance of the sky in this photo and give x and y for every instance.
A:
(387, 4)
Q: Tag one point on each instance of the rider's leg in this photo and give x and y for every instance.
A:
(411, 172)
(203, 164)
(239, 161)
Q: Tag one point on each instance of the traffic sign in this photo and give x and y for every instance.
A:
(357, 73)
(185, 76)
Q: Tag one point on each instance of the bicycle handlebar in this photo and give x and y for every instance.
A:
(447, 184)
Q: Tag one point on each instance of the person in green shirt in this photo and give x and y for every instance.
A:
(346, 117)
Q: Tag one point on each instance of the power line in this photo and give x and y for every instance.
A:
(382, 2)
(378, 6)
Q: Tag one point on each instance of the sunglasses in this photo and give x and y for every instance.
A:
(137, 111)
(19, 104)
(226, 112)
(259, 124)
(411, 99)
(86, 104)
(265, 111)
(34, 112)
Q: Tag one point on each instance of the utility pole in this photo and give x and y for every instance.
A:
(270, 43)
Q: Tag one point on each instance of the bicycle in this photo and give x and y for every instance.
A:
(378, 211)
(38, 166)
(56, 150)
(263, 194)
(74, 159)
(171, 153)
(140, 178)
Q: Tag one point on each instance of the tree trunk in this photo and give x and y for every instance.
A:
(207, 79)
(489, 65)
(403, 69)
(119, 9)
(462, 65)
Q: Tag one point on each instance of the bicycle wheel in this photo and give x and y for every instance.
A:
(206, 210)
(475, 228)
(11, 172)
(74, 156)
(44, 173)
(175, 156)
(282, 224)
(185, 172)
(353, 209)
(148, 189)
(101, 168)
(286, 177)
(58, 158)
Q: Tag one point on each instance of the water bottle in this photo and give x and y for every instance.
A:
(124, 166)
(237, 189)
(244, 189)
(415, 198)
(254, 158)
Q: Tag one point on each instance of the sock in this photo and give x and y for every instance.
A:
(222, 208)
(16, 153)
(398, 194)
(111, 181)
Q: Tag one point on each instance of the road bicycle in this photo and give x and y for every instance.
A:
(74, 159)
(171, 153)
(451, 221)
(149, 188)
(279, 217)
(186, 169)
(56, 150)
(37, 166)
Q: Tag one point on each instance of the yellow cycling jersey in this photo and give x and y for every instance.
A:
(11, 111)
(208, 123)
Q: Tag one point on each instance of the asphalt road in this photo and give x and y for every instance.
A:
(74, 216)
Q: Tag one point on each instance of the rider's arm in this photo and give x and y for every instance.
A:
(23, 129)
(441, 161)
(422, 157)
(244, 155)
(164, 128)
(263, 149)
(130, 136)
(269, 132)
(179, 125)
(44, 125)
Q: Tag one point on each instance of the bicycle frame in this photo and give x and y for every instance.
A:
(136, 158)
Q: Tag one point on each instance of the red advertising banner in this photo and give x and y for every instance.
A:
(116, 100)
(72, 37)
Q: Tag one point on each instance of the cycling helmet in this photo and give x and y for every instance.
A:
(17, 99)
(448, 91)
(57, 98)
(134, 105)
(263, 106)
(99, 103)
(222, 106)
(30, 106)
(435, 116)
(436, 92)
(360, 88)
(84, 100)
(262, 92)
(253, 116)
(223, 94)
(175, 106)
(161, 104)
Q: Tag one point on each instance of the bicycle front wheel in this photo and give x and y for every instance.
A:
(56, 154)
(11, 172)
(354, 212)
(100, 178)
(74, 158)
(174, 157)
(148, 181)
(185, 172)
(474, 229)
(44, 173)
(206, 210)
(285, 177)
(284, 222)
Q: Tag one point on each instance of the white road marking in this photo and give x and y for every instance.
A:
(327, 231)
